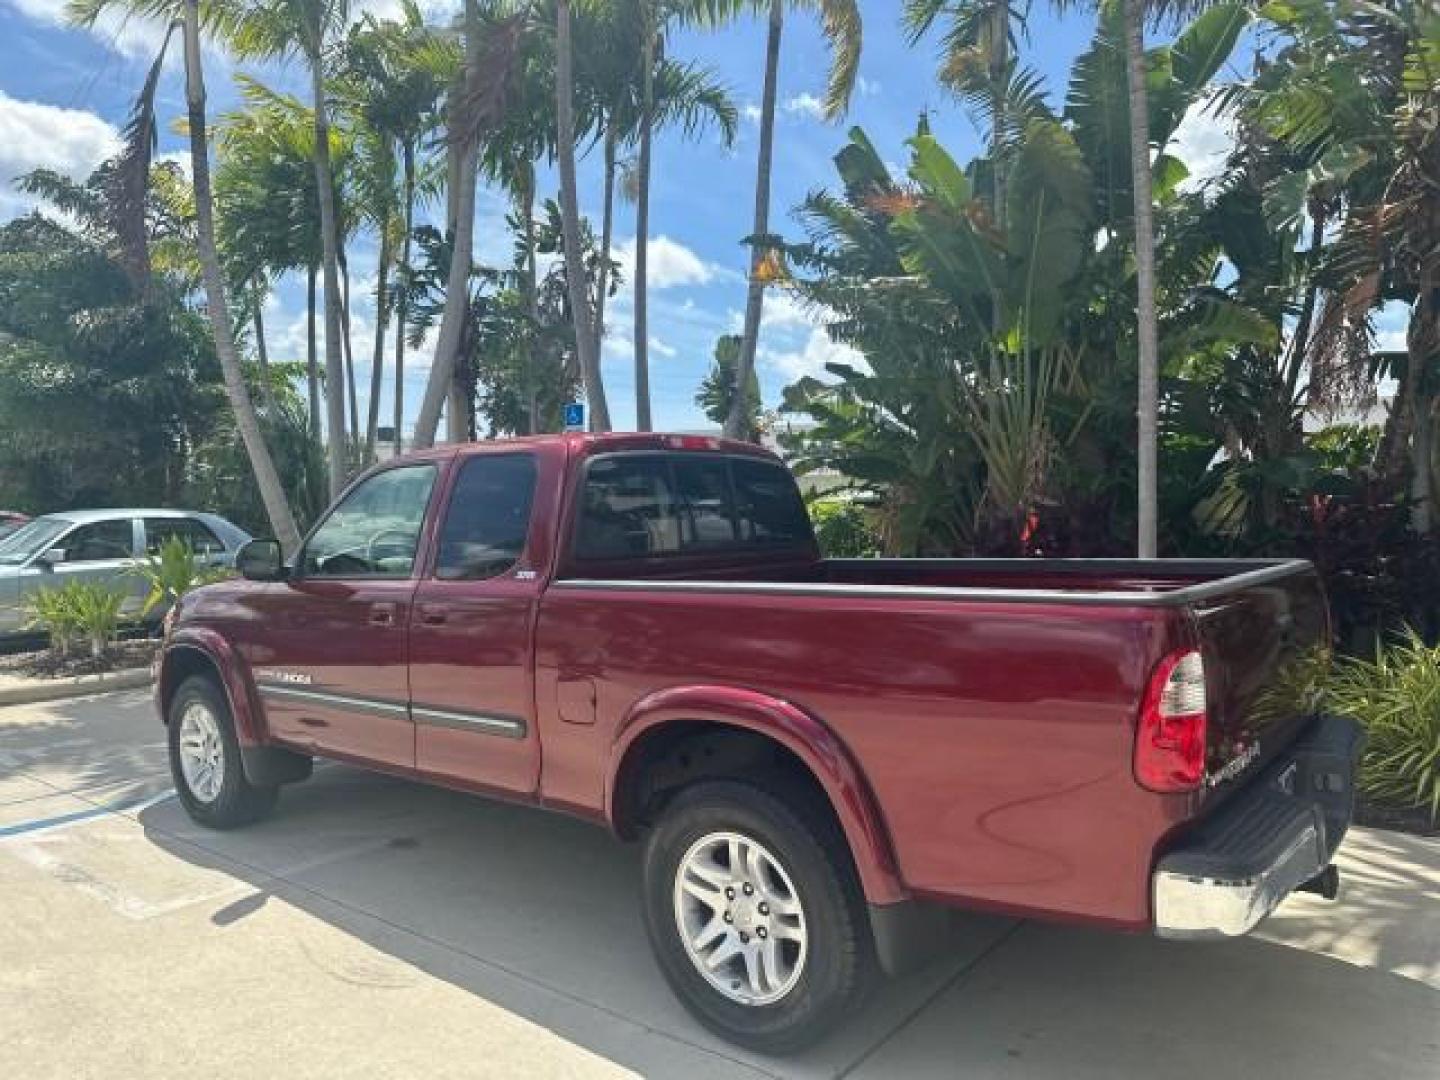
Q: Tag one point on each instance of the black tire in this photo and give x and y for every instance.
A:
(238, 802)
(838, 968)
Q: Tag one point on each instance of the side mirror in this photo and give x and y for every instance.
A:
(50, 559)
(261, 560)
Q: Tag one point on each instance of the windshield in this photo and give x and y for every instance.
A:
(30, 539)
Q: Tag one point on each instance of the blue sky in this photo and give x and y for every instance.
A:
(64, 92)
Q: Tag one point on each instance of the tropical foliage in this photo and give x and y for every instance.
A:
(1396, 696)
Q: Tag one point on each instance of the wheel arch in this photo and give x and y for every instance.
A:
(667, 717)
(208, 654)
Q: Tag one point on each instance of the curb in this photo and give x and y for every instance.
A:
(33, 690)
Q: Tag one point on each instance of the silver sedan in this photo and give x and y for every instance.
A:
(101, 545)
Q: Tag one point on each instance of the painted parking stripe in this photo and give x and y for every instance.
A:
(61, 820)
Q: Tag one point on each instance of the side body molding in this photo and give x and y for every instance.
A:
(795, 729)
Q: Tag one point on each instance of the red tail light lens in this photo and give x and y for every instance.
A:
(1170, 739)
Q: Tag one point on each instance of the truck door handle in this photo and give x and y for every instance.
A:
(382, 614)
(433, 614)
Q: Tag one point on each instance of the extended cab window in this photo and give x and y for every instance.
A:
(375, 529)
(636, 505)
(488, 518)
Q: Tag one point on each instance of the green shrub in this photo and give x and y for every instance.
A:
(843, 529)
(173, 571)
(53, 610)
(1397, 697)
(89, 610)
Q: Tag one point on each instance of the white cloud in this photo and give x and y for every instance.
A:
(130, 35)
(867, 87)
(38, 136)
(670, 264)
(805, 105)
(659, 347)
(1202, 141)
(782, 312)
(751, 112)
(811, 358)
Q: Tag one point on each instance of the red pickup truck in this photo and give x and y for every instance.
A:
(821, 755)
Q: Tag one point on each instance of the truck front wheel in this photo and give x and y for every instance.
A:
(755, 915)
(205, 759)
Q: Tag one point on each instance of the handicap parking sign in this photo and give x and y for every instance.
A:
(575, 416)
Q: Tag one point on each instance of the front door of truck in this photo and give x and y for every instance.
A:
(330, 656)
(471, 680)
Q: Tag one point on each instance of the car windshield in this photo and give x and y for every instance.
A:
(30, 539)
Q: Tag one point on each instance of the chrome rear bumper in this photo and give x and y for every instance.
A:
(1236, 867)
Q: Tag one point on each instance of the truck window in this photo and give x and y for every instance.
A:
(375, 529)
(637, 505)
(488, 518)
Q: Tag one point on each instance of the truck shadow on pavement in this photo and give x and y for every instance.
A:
(540, 915)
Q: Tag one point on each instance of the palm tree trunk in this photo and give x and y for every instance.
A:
(262, 353)
(402, 309)
(532, 304)
(580, 313)
(312, 366)
(607, 230)
(1422, 340)
(272, 493)
(737, 424)
(382, 315)
(1148, 332)
(642, 235)
(354, 404)
(464, 160)
(330, 255)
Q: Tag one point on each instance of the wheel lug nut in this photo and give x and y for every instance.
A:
(729, 917)
(764, 908)
(729, 893)
(744, 938)
(749, 889)
(760, 932)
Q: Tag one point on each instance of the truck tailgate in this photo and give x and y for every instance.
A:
(1265, 648)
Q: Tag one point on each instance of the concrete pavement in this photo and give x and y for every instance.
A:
(378, 928)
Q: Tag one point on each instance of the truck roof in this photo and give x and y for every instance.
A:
(586, 444)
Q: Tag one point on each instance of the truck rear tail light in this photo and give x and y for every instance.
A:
(1170, 738)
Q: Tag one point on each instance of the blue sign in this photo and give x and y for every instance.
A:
(575, 416)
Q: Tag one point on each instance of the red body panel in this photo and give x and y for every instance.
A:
(976, 751)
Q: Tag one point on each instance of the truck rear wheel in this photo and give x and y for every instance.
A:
(755, 915)
(205, 759)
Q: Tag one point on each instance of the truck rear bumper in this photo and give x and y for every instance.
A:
(1236, 866)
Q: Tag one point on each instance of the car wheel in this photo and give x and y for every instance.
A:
(205, 759)
(755, 915)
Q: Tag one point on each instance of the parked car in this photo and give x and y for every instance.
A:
(10, 521)
(101, 545)
(820, 754)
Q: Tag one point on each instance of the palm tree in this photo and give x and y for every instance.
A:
(277, 28)
(272, 492)
(840, 20)
(477, 100)
(396, 77)
(246, 419)
(668, 92)
(580, 305)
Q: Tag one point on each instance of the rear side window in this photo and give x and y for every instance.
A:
(488, 518)
(639, 505)
(196, 535)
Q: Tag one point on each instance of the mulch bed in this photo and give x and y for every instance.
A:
(46, 664)
(1414, 820)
